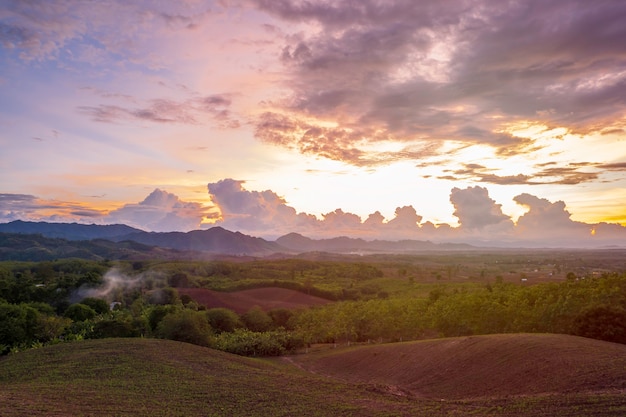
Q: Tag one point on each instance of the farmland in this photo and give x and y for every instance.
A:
(380, 335)
(496, 375)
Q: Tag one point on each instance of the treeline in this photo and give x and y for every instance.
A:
(51, 302)
(590, 307)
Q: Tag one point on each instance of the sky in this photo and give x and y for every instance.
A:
(447, 120)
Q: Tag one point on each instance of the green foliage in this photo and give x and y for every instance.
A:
(247, 343)
(257, 320)
(164, 296)
(602, 322)
(99, 305)
(157, 313)
(186, 326)
(18, 325)
(385, 298)
(281, 317)
(80, 312)
(113, 328)
(223, 319)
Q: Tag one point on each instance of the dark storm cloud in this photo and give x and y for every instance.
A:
(434, 71)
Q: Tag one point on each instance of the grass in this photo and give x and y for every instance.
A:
(144, 377)
(147, 377)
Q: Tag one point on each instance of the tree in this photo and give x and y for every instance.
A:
(186, 326)
(602, 322)
(18, 324)
(257, 320)
(223, 319)
(179, 280)
(280, 317)
(163, 296)
(80, 312)
(99, 305)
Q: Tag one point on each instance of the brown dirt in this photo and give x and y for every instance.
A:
(480, 366)
(242, 301)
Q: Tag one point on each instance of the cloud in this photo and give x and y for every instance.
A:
(476, 210)
(88, 32)
(545, 173)
(266, 214)
(420, 74)
(215, 108)
(32, 208)
(161, 212)
(262, 212)
(481, 220)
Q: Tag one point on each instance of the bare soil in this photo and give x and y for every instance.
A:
(479, 366)
(242, 301)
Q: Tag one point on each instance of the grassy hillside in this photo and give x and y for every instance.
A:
(147, 377)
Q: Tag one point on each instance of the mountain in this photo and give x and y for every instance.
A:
(69, 231)
(215, 240)
(343, 244)
(36, 248)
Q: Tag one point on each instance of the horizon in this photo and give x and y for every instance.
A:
(431, 121)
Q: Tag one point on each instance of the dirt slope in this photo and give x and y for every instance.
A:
(242, 301)
(480, 366)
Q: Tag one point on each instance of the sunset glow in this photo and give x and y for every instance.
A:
(276, 117)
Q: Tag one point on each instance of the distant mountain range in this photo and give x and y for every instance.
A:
(60, 240)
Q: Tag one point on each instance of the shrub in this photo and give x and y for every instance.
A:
(186, 326)
(80, 312)
(602, 322)
(99, 305)
(257, 320)
(247, 343)
(223, 319)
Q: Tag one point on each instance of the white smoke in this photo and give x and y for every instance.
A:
(116, 283)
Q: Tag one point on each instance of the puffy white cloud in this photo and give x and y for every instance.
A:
(266, 214)
(160, 212)
(549, 221)
(476, 210)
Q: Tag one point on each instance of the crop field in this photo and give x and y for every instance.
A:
(499, 375)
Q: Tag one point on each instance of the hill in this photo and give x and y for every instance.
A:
(68, 231)
(215, 240)
(548, 375)
(219, 241)
(26, 247)
(149, 377)
(481, 366)
(297, 242)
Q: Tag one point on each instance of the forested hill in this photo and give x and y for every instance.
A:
(69, 231)
(23, 247)
(218, 240)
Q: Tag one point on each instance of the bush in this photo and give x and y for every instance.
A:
(186, 326)
(603, 323)
(257, 320)
(18, 325)
(246, 343)
(112, 328)
(223, 319)
(80, 312)
(99, 305)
